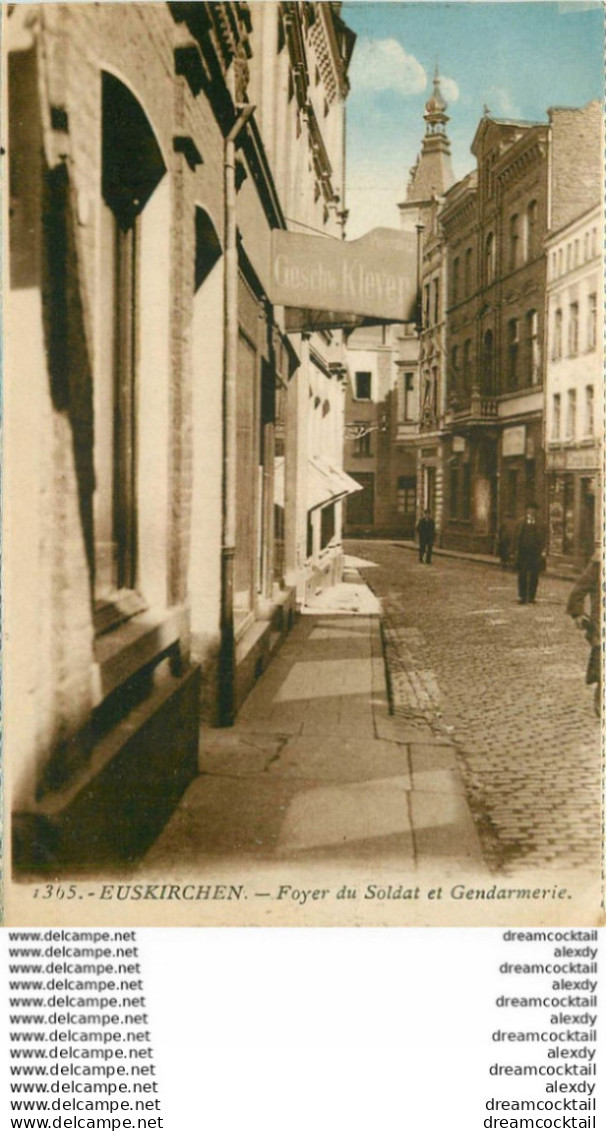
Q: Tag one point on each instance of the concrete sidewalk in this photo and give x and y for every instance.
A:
(316, 768)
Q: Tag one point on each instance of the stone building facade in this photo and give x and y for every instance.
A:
(574, 388)
(160, 412)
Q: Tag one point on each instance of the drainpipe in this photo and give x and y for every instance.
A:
(227, 681)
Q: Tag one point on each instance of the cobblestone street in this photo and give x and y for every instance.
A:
(506, 683)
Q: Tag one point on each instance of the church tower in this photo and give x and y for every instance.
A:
(431, 175)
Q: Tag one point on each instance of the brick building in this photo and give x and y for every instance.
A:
(494, 224)
(160, 413)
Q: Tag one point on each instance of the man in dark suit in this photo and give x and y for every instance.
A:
(426, 529)
(530, 554)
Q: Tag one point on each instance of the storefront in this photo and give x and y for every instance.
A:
(573, 513)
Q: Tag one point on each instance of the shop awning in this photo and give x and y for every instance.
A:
(326, 483)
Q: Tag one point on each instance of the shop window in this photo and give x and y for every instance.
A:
(132, 168)
(592, 321)
(363, 385)
(406, 493)
(513, 346)
(556, 417)
(571, 415)
(589, 411)
(573, 329)
(511, 503)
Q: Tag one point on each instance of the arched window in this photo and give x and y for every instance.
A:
(531, 230)
(490, 257)
(132, 168)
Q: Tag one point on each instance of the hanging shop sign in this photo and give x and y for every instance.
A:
(374, 277)
(514, 441)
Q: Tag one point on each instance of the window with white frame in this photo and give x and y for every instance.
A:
(589, 411)
(533, 347)
(406, 491)
(571, 415)
(408, 386)
(363, 385)
(556, 352)
(592, 321)
(513, 344)
(573, 329)
(362, 440)
(531, 230)
(556, 416)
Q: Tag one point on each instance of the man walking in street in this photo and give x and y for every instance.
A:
(426, 529)
(529, 556)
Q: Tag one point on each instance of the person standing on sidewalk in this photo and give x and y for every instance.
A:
(589, 585)
(426, 529)
(529, 555)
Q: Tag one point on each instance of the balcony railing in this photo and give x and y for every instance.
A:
(476, 408)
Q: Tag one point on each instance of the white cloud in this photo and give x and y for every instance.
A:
(382, 64)
(500, 102)
(449, 88)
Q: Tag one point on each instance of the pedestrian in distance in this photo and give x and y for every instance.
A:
(589, 586)
(529, 555)
(426, 529)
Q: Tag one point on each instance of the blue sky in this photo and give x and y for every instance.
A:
(517, 58)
